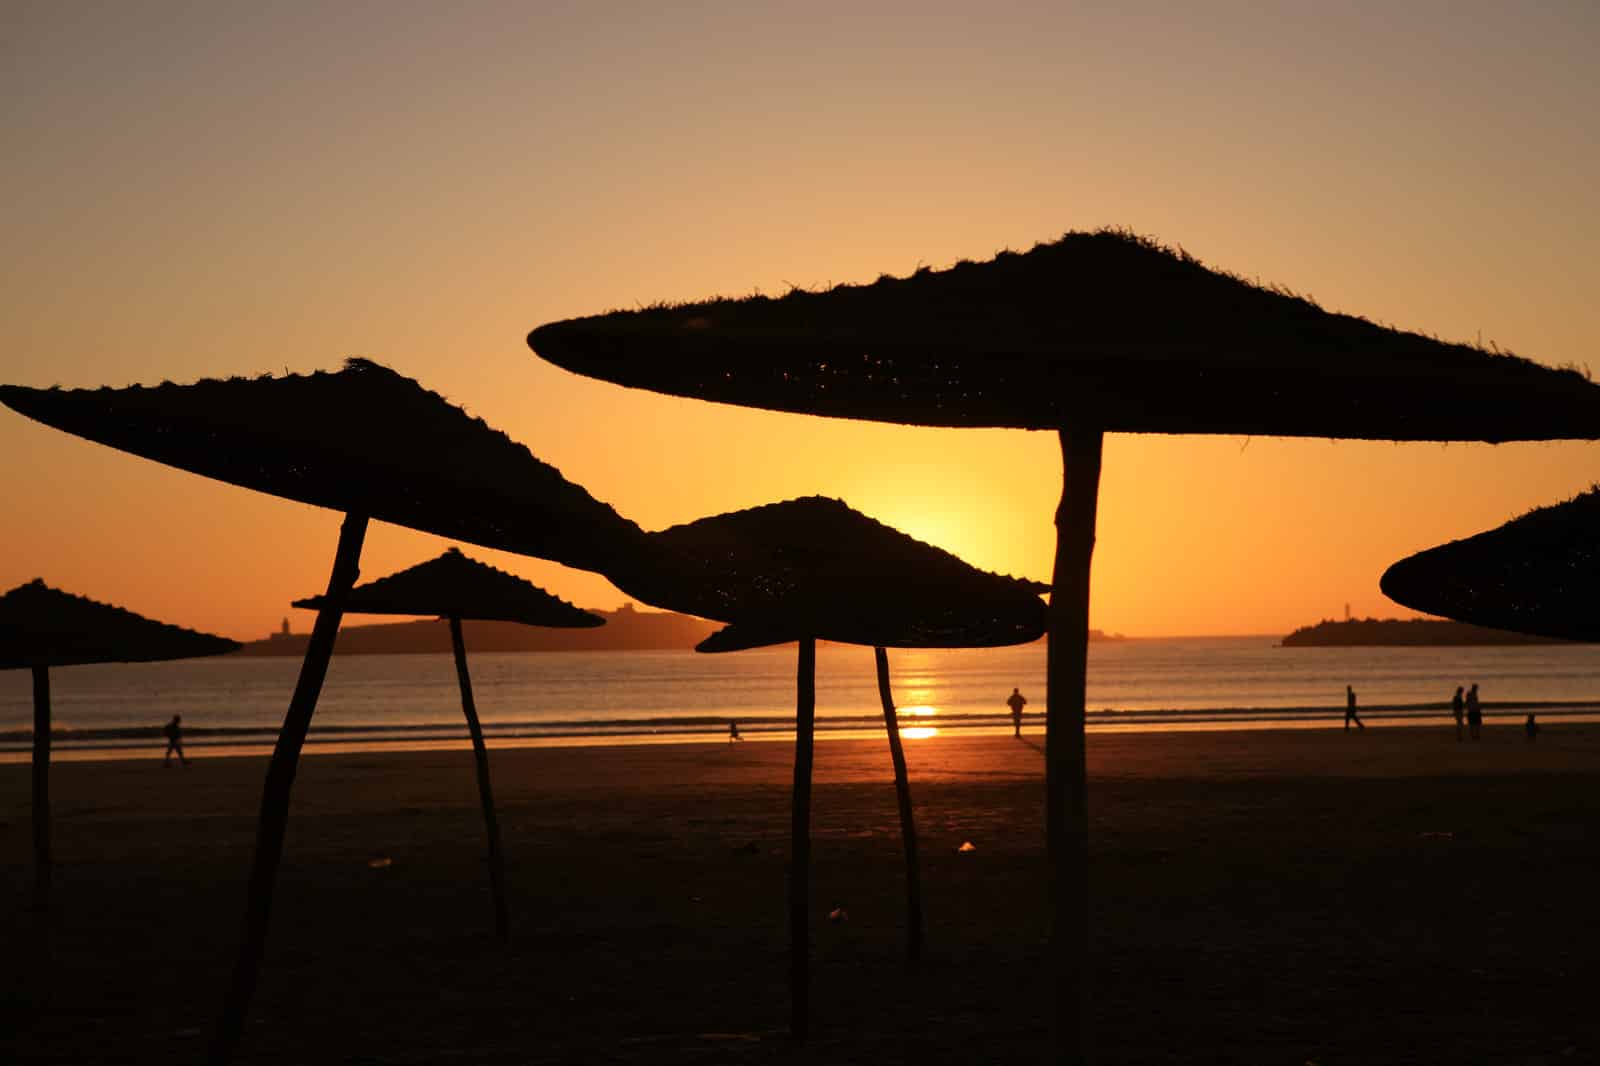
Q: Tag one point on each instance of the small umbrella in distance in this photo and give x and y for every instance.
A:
(810, 569)
(41, 627)
(456, 587)
(1092, 333)
(363, 440)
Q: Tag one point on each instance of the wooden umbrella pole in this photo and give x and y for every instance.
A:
(497, 870)
(280, 780)
(908, 825)
(1066, 792)
(800, 842)
(41, 788)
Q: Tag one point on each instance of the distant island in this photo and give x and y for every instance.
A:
(625, 630)
(1404, 633)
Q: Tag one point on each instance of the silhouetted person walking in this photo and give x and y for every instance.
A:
(1530, 728)
(733, 732)
(1350, 714)
(1016, 701)
(174, 732)
(1474, 713)
(1458, 708)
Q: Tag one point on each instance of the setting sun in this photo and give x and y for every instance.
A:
(921, 731)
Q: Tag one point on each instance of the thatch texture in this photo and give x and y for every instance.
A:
(455, 586)
(42, 626)
(1103, 329)
(743, 638)
(1539, 574)
(815, 567)
(363, 440)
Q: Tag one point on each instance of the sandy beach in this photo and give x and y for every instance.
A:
(1292, 897)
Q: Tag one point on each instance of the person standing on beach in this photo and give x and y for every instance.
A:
(1016, 701)
(1458, 708)
(1474, 712)
(733, 732)
(174, 732)
(1530, 728)
(1350, 710)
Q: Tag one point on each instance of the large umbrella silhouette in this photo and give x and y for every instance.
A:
(363, 440)
(41, 627)
(1093, 333)
(456, 587)
(1539, 573)
(810, 569)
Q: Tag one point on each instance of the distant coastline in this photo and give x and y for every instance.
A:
(625, 630)
(1404, 633)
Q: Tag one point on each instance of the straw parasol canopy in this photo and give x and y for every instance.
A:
(743, 638)
(456, 587)
(371, 443)
(810, 569)
(42, 627)
(1103, 328)
(1093, 333)
(1539, 574)
(362, 440)
(815, 566)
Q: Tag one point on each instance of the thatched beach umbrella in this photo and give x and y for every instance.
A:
(41, 627)
(740, 638)
(370, 443)
(1539, 574)
(1094, 333)
(456, 587)
(810, 569)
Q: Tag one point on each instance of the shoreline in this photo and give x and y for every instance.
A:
(132, 744)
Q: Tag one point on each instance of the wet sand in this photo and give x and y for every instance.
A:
(1293, 897)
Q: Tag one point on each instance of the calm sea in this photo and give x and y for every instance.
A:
(236, 704)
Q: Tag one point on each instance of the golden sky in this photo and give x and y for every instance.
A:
(225, 189)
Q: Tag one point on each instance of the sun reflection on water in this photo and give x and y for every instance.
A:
(918, 732)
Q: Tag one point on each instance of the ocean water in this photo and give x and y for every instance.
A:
(236, 704)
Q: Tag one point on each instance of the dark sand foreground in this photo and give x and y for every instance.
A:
(1289, 897)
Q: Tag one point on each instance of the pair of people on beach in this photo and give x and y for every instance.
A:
(1466, 708)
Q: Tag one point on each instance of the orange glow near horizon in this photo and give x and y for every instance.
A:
(428, 195)
(921, 731)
